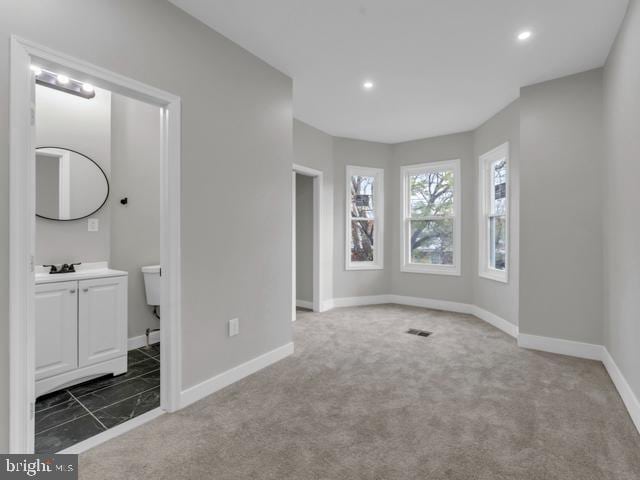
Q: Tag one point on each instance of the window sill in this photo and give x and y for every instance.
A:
(369, 266)
(500, 277)
(453, 271)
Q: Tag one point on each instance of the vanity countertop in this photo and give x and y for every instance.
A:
(86, 271)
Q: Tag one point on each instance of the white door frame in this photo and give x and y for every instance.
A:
(22, 227)
(318, 184)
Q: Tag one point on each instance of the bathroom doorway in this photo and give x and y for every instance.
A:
(82, 306)
(306, 209)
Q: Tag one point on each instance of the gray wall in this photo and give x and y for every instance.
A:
(236, 164)
(135, 174)
(622, 197)
(67, 121)
(314, 149)
(355, 283)
(561, 208)
(496, 297)
(441, 287)
(304, 238)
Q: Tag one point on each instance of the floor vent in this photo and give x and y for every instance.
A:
(420, 333)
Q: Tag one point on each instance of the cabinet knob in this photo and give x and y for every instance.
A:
(85, 289)
(72, 291)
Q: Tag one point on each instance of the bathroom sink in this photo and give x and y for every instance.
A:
(84, 271)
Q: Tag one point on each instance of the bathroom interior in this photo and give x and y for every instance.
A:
(97, 272)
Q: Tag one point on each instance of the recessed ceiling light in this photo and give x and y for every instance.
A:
(524, 35)
(368, 85)
(87, 87)
(63, 79)
(36, 70)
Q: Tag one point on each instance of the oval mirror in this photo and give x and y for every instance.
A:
(69, 185)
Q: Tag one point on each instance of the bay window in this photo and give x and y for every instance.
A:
(493, 228)
(431, 218)
(364, 218)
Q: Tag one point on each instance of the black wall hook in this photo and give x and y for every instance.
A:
(124, 200)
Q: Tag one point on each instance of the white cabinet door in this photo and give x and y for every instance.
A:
(56, 314)
(102, 319)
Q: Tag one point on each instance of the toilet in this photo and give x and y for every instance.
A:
(151, 275)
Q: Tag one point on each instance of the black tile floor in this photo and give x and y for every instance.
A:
(69, 416)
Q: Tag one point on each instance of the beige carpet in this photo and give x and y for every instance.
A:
(361, 399)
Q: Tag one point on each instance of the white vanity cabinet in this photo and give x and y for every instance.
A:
(56, 328)
(80, 328)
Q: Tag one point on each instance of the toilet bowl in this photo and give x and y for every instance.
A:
(151, 275)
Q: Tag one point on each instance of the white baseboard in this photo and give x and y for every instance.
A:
(203, 389)
(624, 389)
(445, 305)
(563, 347)
(113, 432)
(493, 319)
(304, 304)
(448, 306)
(356, 301)
(141, 340)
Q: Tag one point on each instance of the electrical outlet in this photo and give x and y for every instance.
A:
(93, 225)
(234, 327)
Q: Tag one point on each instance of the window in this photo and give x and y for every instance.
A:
(364, 216)
(431, 218)
(494, 214)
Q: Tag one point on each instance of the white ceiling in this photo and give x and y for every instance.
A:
(439, 66)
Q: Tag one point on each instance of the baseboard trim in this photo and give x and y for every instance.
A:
(113, 432)
(445, 305)
(203, 389)
(448, 306)
(624, 389)
(560, 346)
(141, 340)
(498, 322)
(304, 304)
(342, 302)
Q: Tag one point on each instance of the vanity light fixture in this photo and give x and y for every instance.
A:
(526, 35)
(63, 83)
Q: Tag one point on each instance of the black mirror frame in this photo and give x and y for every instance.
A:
(106, 179)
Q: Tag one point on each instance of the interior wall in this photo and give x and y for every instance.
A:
(135, 175)
(561, 210)
(304, 238)
(76, 123)
(621, 200)
(440, 287)
(236, 167)
(496, 297)
(314, 149)
(355, 283)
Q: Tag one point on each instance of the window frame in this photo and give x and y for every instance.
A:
(486, 160)
(405, 218)
(378, 217)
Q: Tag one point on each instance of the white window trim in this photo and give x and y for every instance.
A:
(405, 251)
(484, 270)
(378, 195)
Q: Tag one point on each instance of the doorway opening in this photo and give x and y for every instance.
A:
(78, 355)
(307, 184)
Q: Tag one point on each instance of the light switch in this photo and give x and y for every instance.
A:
(94, 225)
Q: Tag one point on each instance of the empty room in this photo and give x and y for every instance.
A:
(293, 239)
